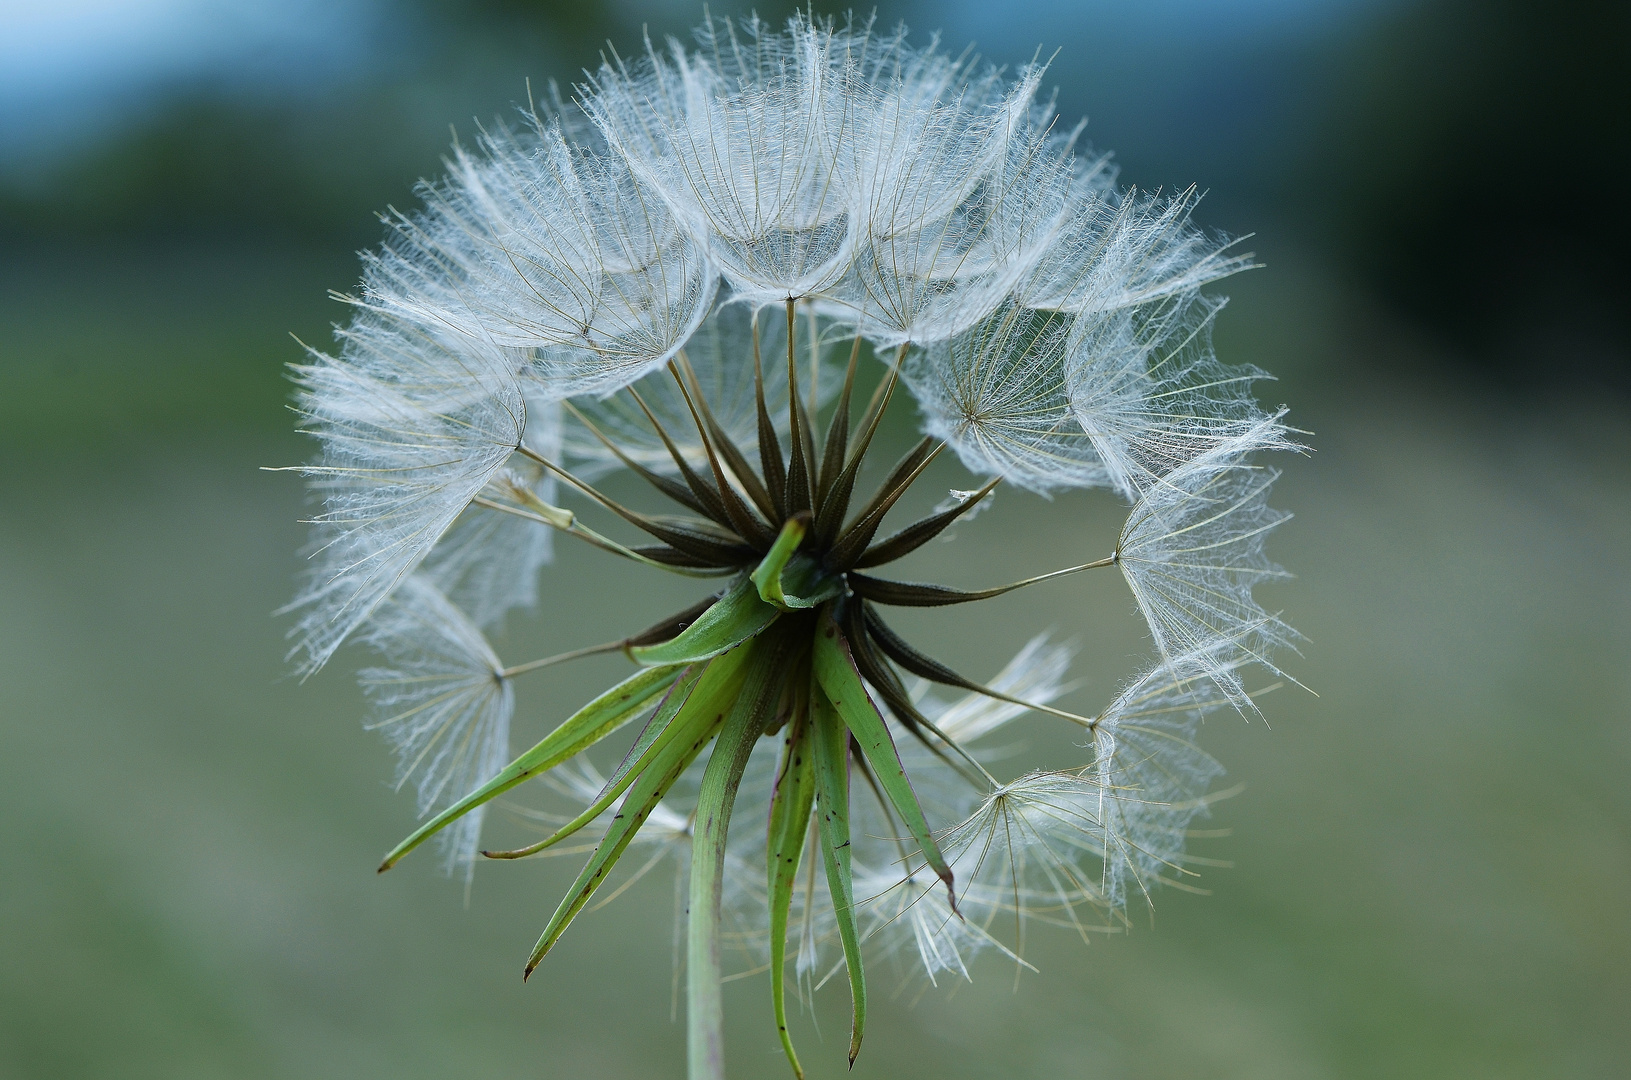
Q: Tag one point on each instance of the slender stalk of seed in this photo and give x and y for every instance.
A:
(675, 490)
(741, 517)
(798, 474)
(734, 459)
(640, 521)
(605, 543)
(715, 508)
(938, 596)
(561, 658)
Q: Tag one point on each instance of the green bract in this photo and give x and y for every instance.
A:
(783, 648)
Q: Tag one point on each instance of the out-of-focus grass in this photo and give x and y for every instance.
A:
(1430, 859)
(104, 343)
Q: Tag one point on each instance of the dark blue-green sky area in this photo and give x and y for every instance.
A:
(1448, 156)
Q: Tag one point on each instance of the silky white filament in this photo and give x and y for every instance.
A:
(442, 704)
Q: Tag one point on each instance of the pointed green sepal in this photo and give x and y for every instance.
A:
(582, 729)
(767, 576)
(835, 670)
(830, 740)
(659, 731)
(735, 617)
(694, 727)
(805, 584)
(791, 581)
(790, 805)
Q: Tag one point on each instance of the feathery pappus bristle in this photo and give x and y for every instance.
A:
(1192, 553)
(413, 427)
(443, 703)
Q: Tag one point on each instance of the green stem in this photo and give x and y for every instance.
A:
(705, 1012)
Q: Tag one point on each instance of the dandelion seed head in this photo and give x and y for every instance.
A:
(1152, 777)
(742, 139)
(997, 395)
(1028, 847)
(412, 429)
(549, 248)
(489, 562)
(1124, 250)
(673, 273)
(441, 703)
(1192, 551)
(960, 200)
(1150, 393)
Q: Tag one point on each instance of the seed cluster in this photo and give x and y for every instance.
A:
(685, 273)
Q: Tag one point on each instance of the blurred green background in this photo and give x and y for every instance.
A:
(1430, 861)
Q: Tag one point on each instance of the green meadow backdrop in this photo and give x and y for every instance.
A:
(1428, 863)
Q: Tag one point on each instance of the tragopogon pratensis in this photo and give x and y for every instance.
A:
(680, 272)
